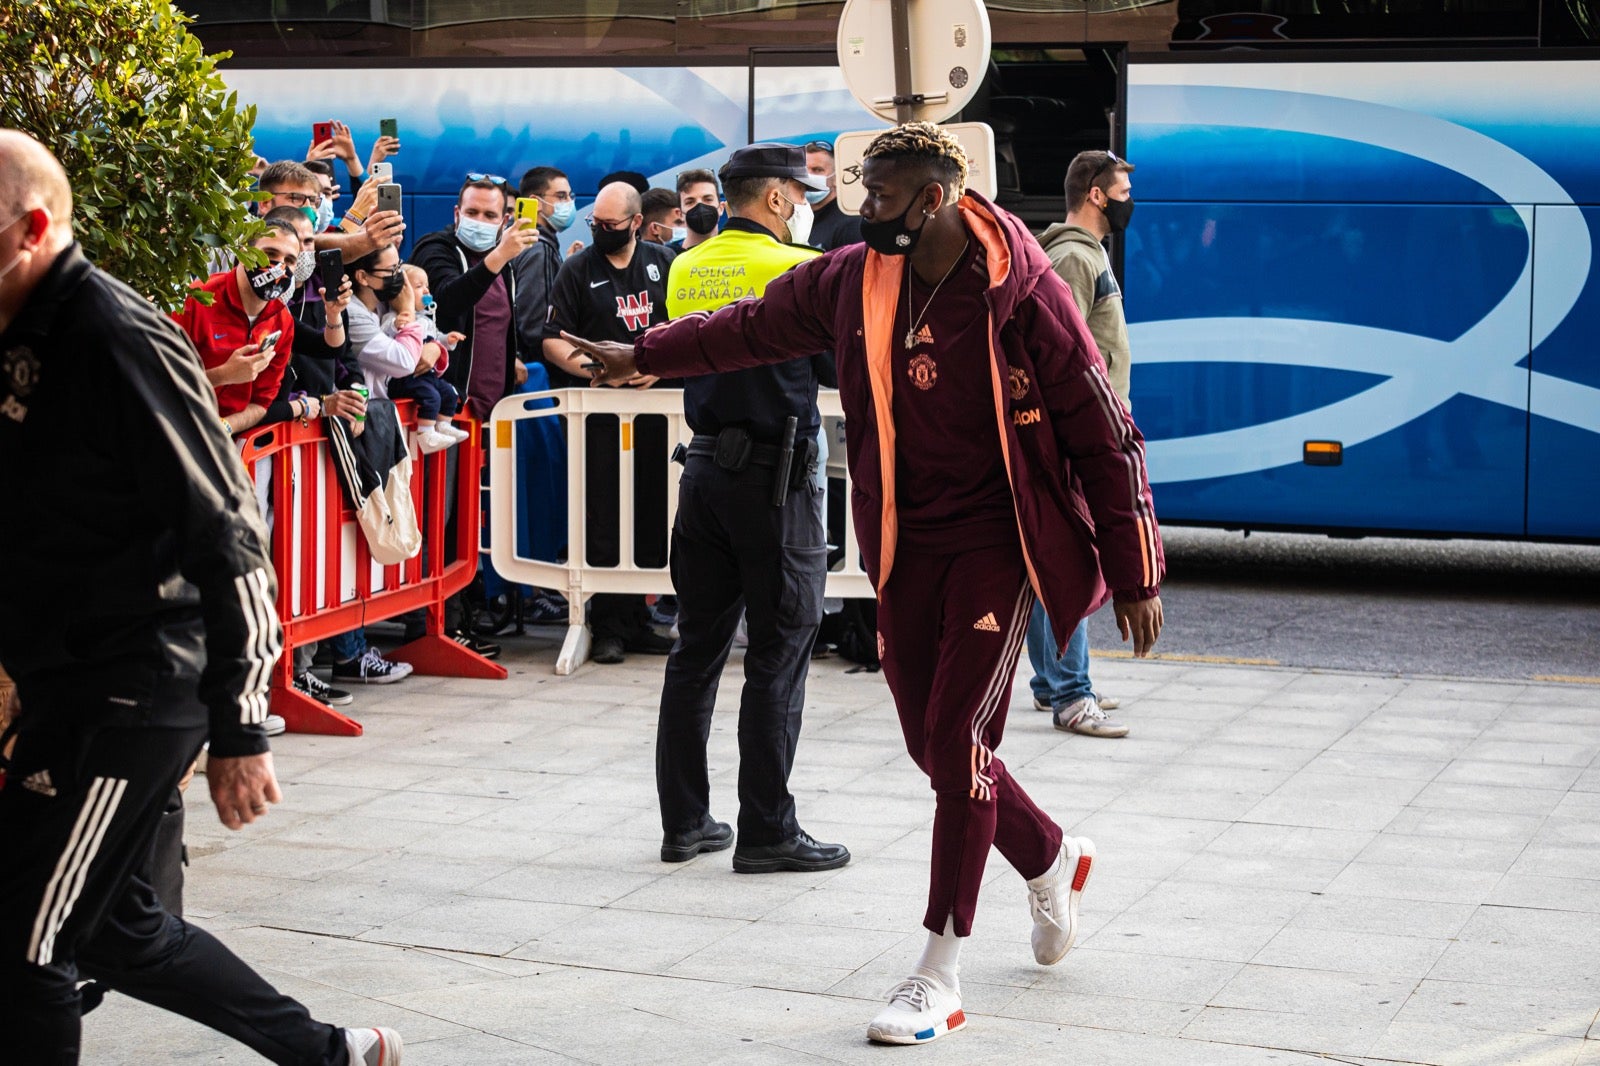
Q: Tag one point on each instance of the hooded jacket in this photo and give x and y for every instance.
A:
(1080, 260)
(1075, 459)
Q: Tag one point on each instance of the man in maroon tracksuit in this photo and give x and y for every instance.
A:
(992, 462)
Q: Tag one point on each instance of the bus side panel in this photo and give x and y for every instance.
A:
(1264, 326)
(1564, 395)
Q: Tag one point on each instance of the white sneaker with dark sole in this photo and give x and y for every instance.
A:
(1053, 900)
(921, 1008)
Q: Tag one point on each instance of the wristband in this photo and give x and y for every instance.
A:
(354, 219)
(226, 425)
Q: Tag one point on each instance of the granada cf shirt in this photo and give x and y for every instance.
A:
(596, 301)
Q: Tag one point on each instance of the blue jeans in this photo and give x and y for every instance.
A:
(348, 646)
(1058, 682)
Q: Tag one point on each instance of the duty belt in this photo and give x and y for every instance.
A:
(732, 449)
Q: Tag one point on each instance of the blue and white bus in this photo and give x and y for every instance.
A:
(1361, 281)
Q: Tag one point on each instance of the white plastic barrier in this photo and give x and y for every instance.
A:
(575, 577)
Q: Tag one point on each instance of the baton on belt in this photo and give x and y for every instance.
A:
(780, 481)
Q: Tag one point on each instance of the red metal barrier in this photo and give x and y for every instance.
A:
(327, 581)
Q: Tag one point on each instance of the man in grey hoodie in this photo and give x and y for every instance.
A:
(1099, 203)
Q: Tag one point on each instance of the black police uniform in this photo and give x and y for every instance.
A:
(733, 550)
(136, 615)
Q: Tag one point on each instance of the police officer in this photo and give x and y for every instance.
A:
(748, 535)
(137, 618)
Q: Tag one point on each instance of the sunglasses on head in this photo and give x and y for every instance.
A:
(818, 146)
(495, 178)
(1110, 161)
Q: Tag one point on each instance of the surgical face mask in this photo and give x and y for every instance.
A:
(816, 196)
(1117, 213)
(305, 265)
(610, 241)
(680, 233)
(271, 282)
(799, 222)
(9, 267)
(477, 235)
(702, 218)
(324, 217)
(891, 236)
(563, 214)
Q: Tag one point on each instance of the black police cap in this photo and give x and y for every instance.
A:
(770, 160)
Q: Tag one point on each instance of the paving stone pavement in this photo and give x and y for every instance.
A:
(1294, 867)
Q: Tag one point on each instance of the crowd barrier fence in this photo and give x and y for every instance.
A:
(575, 576)
(328, 582)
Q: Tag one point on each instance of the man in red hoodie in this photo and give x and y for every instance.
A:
(992, 463)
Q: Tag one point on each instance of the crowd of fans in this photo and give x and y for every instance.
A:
(473, 315)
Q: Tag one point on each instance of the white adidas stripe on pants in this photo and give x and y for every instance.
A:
(66, 883)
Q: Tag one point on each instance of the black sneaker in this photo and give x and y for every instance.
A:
(318, 689)
(544, 607)
(371, 669)
(486, 648)
(607, 651)
(799, 852)
(709, 835)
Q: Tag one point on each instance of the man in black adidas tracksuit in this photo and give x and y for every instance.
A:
(136, 615)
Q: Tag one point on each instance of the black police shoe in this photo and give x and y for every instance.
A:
(709, 835)
(799, 852)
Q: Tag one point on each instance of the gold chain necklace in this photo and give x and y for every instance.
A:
(911, 333)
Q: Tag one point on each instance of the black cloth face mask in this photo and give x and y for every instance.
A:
(609, 241)
(892, 236)
(270, 282)
(391, 287)
(702, 218)
(1117, 213)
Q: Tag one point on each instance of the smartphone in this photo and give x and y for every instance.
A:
(321, 131)
(389, 197)
(384, 172)
(270, 340)
(528, 210)
(330, 268)
(389, 127)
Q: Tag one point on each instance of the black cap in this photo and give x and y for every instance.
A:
(770, 160)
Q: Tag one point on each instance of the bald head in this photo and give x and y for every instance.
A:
(30, 178)
(618, 200)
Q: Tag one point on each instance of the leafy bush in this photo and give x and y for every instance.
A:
(158, 154)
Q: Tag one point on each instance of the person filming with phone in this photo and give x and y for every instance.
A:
(244, 336)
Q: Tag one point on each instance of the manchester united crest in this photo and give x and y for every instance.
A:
(1019, 383)
(924, 372)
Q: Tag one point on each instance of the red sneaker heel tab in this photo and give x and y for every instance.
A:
(1082, 875)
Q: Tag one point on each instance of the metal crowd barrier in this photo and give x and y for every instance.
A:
(327, 581)
(574, 576)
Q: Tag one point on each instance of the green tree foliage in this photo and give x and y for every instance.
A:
(158, 153)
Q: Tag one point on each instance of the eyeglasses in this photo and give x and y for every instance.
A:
(495, 178)
(600, 223)
(818, 146)
(298, 199)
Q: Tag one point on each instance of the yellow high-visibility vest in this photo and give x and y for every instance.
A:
(731, 266)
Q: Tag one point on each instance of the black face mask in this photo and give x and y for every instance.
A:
(270, 282)
(1117, 213)
(702, 218)
(391, 287)
(610, 241)
(891, 236)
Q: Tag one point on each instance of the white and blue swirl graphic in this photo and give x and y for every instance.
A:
(1395, 256)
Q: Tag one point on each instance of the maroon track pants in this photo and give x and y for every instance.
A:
(950, 628)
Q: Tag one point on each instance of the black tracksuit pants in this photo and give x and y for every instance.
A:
(82, 798)
(731, 551)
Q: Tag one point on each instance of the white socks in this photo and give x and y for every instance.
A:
(1052, 874)
(942, 955)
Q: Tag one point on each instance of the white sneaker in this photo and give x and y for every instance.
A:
(1055, 921)
(921, 1008)
(431, 440)
(1085, 716)
(275, 725)
(450, 429)
(373, 1047)
(1107, 703)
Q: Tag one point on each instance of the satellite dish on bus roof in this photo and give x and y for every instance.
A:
(949, 44)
